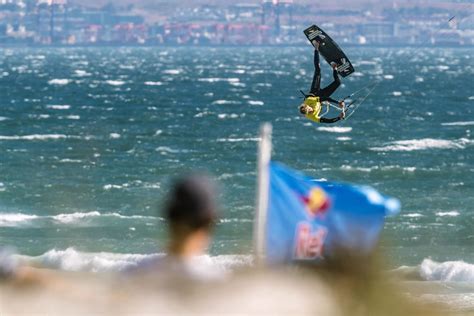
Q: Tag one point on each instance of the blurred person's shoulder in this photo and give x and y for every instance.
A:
(199, 268)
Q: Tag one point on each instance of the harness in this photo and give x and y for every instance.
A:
(313, 102)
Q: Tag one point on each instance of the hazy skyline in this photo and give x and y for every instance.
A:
(159, 10)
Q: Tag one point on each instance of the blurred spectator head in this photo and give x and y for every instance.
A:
(191, 210)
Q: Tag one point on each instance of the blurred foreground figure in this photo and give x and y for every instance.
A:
(191, 213)
(184, 282)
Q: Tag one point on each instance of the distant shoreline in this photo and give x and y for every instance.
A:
(122, 45)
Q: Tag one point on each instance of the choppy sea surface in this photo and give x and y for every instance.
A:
(90, 140)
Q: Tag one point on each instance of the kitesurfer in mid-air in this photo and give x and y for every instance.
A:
(312, 106)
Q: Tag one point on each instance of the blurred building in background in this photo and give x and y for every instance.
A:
(269, 22)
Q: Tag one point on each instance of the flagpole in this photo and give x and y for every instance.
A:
(263, 182)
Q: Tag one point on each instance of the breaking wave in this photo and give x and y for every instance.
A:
(71, 259)
(335, 129)
(20, 219)
(423, 144)
(449, 271)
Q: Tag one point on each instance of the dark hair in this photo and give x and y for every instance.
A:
(192, 203)
(303, 109)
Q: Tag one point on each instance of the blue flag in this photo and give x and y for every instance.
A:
(308, 219)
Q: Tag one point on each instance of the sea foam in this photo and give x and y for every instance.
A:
(35, 137)
(238, 140)
(423, 144)
(449, 271)
(468, 123)
(58, 107)
(76, 218)
(59, 82)
(115, 82)
(153, 83)
(15, 219)
(71, 259)
(73, 217)
(335, 129)
(451, 213)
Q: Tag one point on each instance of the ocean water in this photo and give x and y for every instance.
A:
(90, 140)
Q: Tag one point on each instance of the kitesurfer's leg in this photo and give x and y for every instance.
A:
(315, 85)
(326, 92)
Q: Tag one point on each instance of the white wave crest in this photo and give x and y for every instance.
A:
(39, 116)
(35, 137)
(67, 160)
(423, 144)
(81, 73)
(133, 184)
(58, 107)
(3, 118)
(235, 220)
(414, 215)
(71, 259)
(165, 149)
(59, 82)
(15, 219)
(449, 271)
(344, 139)
(224, 102)
(335, 129)
(172, 72)
(231, 116)
(237, 140)
(212, 80)
(115, 82)
(362, 169)
(377, 168)
(108, 187)
(153, 83)
(19, 219)
(458, 123)
(69, 218)
(255, 102)
(451, 213)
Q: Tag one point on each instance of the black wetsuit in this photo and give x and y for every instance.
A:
(324, 94)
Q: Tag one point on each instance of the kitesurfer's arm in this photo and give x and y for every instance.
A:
(332, 120)
(329, 120)
(335, 74)
(332, 101)
(341, 103)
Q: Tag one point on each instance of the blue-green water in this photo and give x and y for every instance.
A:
(91, 138)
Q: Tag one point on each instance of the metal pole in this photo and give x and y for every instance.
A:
(263, 182)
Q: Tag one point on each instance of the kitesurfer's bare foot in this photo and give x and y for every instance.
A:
(334, 65)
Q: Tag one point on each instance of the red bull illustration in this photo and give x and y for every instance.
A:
(309, 221)
(317, 202)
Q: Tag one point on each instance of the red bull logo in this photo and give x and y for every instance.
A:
(317, 202)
